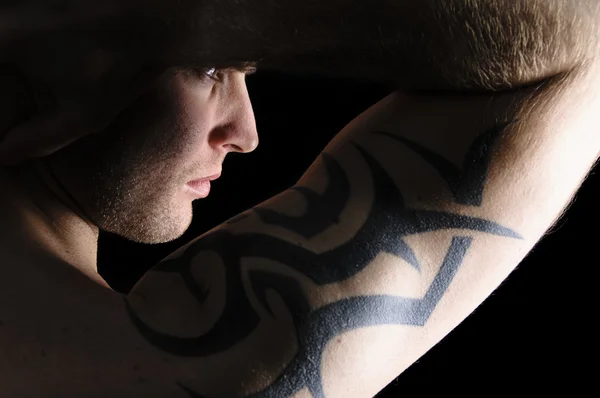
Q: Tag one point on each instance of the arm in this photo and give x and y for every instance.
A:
(428, 44)
(410, 219)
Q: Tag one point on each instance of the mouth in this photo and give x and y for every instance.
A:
(200, 188)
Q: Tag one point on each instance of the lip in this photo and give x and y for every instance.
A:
(200, 188)
(212, 177)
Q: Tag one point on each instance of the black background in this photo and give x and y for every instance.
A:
(534, 333)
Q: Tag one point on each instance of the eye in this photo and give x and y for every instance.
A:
(211, 73)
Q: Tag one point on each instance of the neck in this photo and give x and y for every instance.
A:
(36, 205)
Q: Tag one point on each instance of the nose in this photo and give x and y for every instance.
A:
(237, 130)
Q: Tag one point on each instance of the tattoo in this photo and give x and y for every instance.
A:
(466, 186)
(388, 222)
(323, 211)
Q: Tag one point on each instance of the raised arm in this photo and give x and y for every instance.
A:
(424, 44)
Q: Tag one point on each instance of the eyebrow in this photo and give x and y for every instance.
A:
(246, 68)
(249, 70)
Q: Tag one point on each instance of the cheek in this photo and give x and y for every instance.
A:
(192, 116)
(171, 127)
(191, 124)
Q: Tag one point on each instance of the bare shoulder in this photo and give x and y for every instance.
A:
(62, 335)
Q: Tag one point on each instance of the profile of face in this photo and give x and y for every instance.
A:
(133, 179)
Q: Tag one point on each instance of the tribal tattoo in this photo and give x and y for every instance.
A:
(389, 221)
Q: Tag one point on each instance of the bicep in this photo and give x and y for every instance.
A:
(410, 218)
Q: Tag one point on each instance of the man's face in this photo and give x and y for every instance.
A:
(132, 179)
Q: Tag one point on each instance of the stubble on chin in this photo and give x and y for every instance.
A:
(149, 212)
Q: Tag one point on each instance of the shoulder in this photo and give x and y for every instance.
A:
(71, 336)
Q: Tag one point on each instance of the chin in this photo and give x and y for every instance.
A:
(168, 229)
(157, 238)
(158, 226)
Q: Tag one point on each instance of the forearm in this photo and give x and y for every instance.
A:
(436, 44)
(421, 44)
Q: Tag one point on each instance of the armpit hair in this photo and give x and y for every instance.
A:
(499, 43)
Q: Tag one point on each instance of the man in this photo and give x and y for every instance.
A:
(409, 219)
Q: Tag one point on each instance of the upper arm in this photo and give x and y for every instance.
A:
(411, 217)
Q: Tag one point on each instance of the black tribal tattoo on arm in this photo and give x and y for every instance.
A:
(389, 221)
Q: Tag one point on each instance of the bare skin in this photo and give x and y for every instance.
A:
(328, 289)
